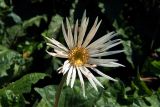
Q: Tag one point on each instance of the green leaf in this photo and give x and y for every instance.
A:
(119, 29)
(142, 87)
(15, 31)
(70, 97)
(15, 17)
(113, 95)
(23, 85)
(10, 99)
(47, 93)
(158, 50)
(156, 64)
(150, 101)
(56, 63)
(54, 26)
(151, 67)
(3, 4)
(34, 21)
(7, 58)
(128, 51)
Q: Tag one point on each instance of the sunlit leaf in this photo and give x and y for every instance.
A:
(34, 21)
(128, 51)
(10, 99)
(7, 58)
(156, 64)
(47, 93)
(23, 85)
(15, 17)
(54, 26)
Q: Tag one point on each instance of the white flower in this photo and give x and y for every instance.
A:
(82, 55)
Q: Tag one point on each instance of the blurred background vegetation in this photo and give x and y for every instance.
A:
(28, 75)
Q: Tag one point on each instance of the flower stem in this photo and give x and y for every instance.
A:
(58, 92)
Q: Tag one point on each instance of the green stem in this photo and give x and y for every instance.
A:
(58, 92)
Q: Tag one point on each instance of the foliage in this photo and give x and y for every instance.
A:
(28, 75)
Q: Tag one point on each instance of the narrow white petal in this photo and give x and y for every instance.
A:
(93, 51)
(106, 53)
(82, 31)
(97, 82)
(56, 47)
(59, 69)
(107, 44)
(66, 67)
(58, 44)
(111, 64)
(52, 53)
(73, 77)
(113, 45)
(75, 33)
(81, 80)
(103, 47)
(89, 77)
(102, 74)
(100, 61)
(83, 17)
(65, 36)
(110, 44)
(69, 75)
(102, 40)
(59, 52)
(92, 32)
(93, 77)
(56, 55)
(70, 36)
(93, 84)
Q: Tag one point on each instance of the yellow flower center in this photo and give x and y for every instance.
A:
(78, 56)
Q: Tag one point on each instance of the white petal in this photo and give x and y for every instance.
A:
(60, 52)
(93, 77)
(102, 74)
(106, 53)
(87, 74)
(75, 33)
(73, 77)
(83, 17)
(102, 40)
(92, 32)
(93, 84)
(65, 36)
(59, 69)
(110, 44)
(82, 31)
(56, 55)
(58, 44)
(93, 51)
(69, 75)
(100, 61)
(105, 46)
(111, 64)
(66, 67)
(81, 80)
(70, 36)
(55, 47)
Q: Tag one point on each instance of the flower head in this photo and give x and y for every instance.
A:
(81, 55)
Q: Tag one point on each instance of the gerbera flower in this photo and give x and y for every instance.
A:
(81, 55)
